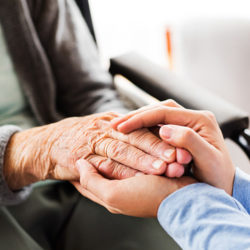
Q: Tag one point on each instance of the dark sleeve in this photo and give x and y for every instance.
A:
(83, 86)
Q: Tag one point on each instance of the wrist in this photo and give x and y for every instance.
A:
(176, 185)
(22, 159)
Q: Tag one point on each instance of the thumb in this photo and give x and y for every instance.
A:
(85, 169)
(185, 137)
(90, 179)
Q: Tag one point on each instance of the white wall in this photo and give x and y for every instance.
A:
(124, 25)
(139, 25)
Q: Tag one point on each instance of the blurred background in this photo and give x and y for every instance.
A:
(207, 42)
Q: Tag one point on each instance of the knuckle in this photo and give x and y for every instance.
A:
(112, 113)
(108, 116)
(107, 167)
(208, 116)
(102, 147)
(95, 160)
(117, 171)
(141, 158)
(116, 149)
(113, 169)
(100, 163)
(155, 144)
(137, 136)
(125, 172)
(144, 139)
(170, 102)
(187, 135)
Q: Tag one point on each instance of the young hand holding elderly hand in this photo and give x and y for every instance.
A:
(196, 131)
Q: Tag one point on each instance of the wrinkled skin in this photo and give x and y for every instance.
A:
(50, 152)
(196, 131)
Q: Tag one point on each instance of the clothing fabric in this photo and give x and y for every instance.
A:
(14, 108)
(56, 60)
(56, 63)
(55, 216)
(57, 66)
(200, 216)
(241, 190)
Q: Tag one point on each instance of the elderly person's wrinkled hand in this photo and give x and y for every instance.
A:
(50, 152)
(196, 131)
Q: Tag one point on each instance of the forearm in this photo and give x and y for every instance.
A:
(7, 196)
(26, 158)
(200, 216)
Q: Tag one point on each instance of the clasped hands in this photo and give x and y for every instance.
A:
(119, 162)
(195, 131)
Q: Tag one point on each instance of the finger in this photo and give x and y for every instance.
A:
(184, 137)
(112, 169)
(116, 121)
(138, 196)
(91, 180)
(67, 174)
(169, 103)
(146, 141)
(160, 115)
(175, 170)
(130, 156)
(183, 156)
(159, 149)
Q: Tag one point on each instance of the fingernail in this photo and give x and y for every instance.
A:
(157, 164)
(166, 132)
(139, 174)
(169, 153)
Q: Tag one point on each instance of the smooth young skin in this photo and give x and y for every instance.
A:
(138, 196)
(183, 157)
(51, 151)
(196, 131)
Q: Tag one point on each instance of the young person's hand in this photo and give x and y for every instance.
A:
(138, 196)
(196, 131)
